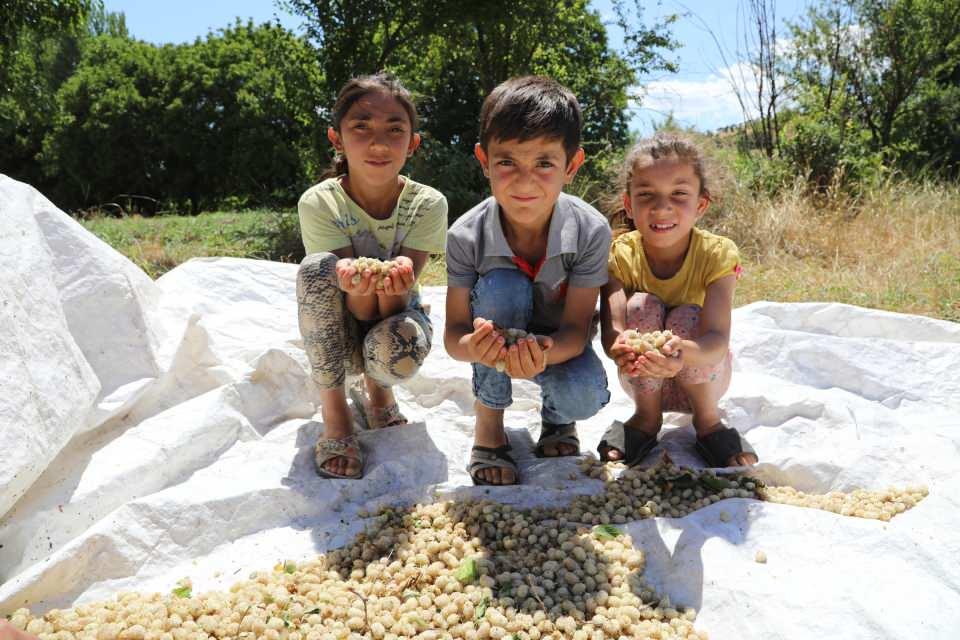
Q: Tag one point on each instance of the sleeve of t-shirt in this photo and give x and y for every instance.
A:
(725, 261)
(317, 226)
(461, 268)
(430, 229)
(619, 263)
(590, 269)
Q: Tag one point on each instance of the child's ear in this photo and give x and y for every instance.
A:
(414, 144)
(627, 203)
(334, 139)
(481, 156)
(574, 165)
(703, 204)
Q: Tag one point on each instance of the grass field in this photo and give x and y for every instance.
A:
(896, 248)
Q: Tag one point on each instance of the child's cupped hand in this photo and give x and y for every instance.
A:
(528, 357)
(401, 278)
(367, 286)
(484, 345)
(650, 364)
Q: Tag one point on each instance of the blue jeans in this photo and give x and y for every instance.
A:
(569, 391)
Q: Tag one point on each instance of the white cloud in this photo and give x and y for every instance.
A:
(705, 104)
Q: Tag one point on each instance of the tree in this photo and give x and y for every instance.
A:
(452, 53)
(38, 19)
(240, 117)
(871, 65)
(231, 116)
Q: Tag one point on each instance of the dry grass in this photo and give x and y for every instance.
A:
(895, 248)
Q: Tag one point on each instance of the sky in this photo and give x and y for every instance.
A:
(699, 95)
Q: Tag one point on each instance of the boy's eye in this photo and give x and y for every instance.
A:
(545, 164)
(680, 193)
(505, 163)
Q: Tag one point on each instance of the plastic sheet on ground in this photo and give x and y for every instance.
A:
(151, 431)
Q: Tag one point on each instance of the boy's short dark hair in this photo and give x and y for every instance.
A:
(531, 107)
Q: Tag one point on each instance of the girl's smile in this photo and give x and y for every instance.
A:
(664, 202)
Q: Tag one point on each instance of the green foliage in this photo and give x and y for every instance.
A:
(39, 49)
(31, 18)
(877, 83)
(453, 53)
(194, 124)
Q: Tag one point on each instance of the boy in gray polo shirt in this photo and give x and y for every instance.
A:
(531, 258)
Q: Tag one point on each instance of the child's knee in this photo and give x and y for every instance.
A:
(317, 268)
(504, 296)
(684, 320)
(645, 312)
(641, 388)
(395, 349)
(582, 401)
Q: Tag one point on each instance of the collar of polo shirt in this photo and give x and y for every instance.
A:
(562, 236)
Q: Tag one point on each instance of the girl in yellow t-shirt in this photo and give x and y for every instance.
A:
(355, 321)
(667, 274)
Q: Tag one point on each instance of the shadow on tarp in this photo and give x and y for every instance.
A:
(399, 460)
(416, 484)
(676, 569)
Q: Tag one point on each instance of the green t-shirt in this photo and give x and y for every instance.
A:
(330, 219)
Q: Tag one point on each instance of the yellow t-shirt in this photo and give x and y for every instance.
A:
(330, 219)
(709, 258)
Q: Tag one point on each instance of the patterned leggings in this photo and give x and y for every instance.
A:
(389, 351)
(645, 313)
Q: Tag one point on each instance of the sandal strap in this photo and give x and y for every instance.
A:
(374, 417)
(329, 448)
(334, 447)
(632, 443)
(555, 434)
(718, 447)
(491, 458)
(382, 417)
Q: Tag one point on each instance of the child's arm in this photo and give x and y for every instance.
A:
(467, 339)
(714, 341)
(613, 321)
(707, 350)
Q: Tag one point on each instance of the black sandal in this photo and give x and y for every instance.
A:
(632, 443)
(491, 458)
(723, 444)
(557, 434)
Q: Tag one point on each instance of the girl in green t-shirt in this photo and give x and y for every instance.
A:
(667, 274)
(354, 318)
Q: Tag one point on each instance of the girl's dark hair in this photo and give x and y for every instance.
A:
(642, 155)
(355, 89)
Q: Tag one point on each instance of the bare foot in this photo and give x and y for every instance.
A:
(561, 449)
(490, 433)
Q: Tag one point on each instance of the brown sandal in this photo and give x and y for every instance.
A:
(374, 417)
(329, 448)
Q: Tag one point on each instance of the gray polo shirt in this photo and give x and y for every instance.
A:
(578, 246)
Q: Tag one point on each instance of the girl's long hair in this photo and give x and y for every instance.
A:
(353, 91)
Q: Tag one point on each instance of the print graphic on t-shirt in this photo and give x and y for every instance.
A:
(365, 244)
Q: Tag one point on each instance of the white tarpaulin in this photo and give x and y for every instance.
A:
(151, 431)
